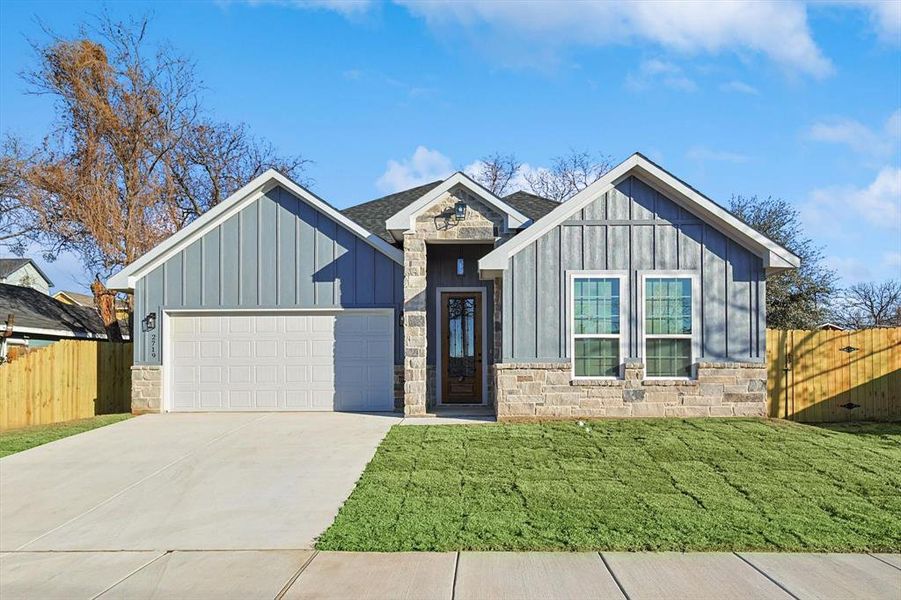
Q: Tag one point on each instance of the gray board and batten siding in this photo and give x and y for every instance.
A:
(276, 253)
(637, 229)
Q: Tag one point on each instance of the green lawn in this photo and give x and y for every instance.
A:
(702, 484)
(16, 440)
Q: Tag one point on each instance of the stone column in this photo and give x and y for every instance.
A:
(414, 325)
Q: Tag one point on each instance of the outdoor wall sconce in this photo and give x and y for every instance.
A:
(400, 318)
(461, 270)
(148, 323)
(460, 211)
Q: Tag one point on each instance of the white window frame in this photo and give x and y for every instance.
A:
(624, 296)
(694, 336)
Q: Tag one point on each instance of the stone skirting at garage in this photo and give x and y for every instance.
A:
(527, 391)
(146, 389)
(399, 388)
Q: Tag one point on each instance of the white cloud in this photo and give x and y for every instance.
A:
(831, 210)
(422, 167)
(777, 29)
(885, 16)
(860, 138)
(704, 154)
(739, 87)
(654, 71)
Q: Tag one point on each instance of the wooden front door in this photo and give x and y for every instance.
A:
(461, 348)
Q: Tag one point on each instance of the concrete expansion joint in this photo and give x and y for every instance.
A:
(293, 578)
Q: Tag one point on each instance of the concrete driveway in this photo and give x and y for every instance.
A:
(187, 482)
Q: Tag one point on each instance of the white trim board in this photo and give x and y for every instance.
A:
(483, 291)
(405, 219)
(775, 257)
(253, 191)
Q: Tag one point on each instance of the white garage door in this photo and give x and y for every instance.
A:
(281, 361)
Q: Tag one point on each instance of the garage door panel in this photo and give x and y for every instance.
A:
(282, 362)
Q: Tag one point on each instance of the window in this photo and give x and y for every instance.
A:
(668, 326)
(596, 326)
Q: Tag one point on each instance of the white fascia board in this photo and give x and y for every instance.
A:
(127, 277)
(405, 219)
(774, 256)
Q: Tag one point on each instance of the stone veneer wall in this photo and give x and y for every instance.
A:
(528, 391)
(146, 388)
(399, 388)
(436, 224)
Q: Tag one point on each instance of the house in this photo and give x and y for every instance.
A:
(31, 319)
(639, 296)
(80, 299)
(24, 272)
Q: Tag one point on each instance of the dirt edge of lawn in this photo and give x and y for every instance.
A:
(13, 441)
(628, 485)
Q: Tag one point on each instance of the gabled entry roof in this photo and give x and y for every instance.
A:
(404, 219)
(775, 257)
(127, 277)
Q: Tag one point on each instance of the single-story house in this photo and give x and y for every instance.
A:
(30, 319)
(24, 272)
(639, 296)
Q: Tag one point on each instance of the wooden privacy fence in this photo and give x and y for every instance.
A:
(64, 381)
(828, 376)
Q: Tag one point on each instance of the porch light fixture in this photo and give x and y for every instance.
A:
(460, 211)
(148, 323)
(460, 267)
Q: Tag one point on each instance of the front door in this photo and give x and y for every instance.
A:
(461, 348)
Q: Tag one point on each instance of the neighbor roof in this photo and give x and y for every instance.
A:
(373, 214)
(775, 257)
(36, 311)
(9, 266)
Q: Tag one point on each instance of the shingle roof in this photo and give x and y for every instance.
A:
(530, 205)
(78, 297)
(11, 265)
(373, 214)
(33, 309)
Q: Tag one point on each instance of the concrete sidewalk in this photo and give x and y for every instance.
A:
(308, 574)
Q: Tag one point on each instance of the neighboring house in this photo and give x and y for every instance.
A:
(30, 319)
(829, 327)
(24, 272)
(79, 299)
(637, 297)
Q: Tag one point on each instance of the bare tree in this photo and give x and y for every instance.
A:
(797, 298)
(866, 305)
(130, 158)
(16, 221)
(568, 174)
(496, 172)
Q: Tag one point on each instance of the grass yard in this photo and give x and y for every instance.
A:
(17, 440)
(692, 485)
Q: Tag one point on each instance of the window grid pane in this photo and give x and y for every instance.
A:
(596, 306)
(596, 357)
(668, 357)
(668, 306)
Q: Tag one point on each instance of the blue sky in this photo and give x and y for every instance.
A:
(788, 99)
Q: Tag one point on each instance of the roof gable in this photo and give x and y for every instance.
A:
(253, 191)
(8, 266)
(775, 257)
(404, 219)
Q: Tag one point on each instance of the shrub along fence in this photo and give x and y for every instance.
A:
(64, 381)
(828, 376)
